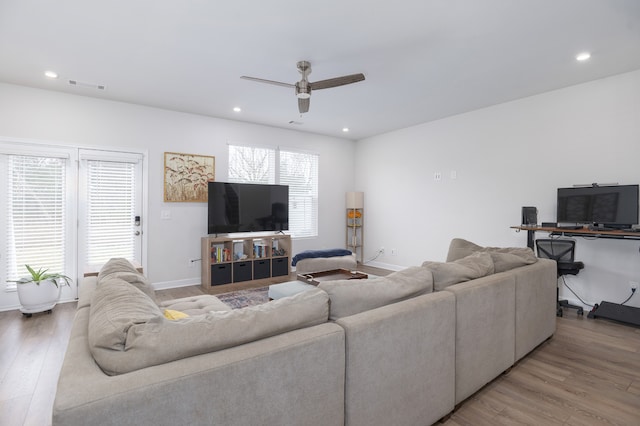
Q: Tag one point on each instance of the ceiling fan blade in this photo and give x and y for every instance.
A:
(303, 105)
(337, 81)
(262, 80)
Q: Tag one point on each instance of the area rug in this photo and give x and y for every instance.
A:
(251, 297)
(242, 298)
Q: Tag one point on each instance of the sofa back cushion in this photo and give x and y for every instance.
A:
(349, 297)
(468, 268)
(116, 306)
(124, 270)
(504, 258)
(128, 331)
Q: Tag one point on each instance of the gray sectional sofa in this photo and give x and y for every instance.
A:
(388, 350)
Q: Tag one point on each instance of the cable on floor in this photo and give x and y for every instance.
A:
(574, 293)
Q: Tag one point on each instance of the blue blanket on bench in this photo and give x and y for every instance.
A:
(308, 254)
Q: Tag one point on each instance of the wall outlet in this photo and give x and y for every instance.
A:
(394, 252)
(381, 250)
(437, 176)
(634, 285)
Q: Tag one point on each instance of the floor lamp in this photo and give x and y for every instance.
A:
(355, 204)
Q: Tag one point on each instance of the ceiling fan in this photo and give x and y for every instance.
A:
(304, 86)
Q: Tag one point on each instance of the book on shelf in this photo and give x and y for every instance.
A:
(259, 250)
(220, 254)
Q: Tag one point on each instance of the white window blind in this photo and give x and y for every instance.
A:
(252, 164)
(36, 204)
(111, 203)
(298, 170)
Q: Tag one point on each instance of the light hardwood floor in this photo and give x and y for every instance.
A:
(588, 373)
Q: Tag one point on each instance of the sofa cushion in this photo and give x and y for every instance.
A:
(116, 264)
(128, 332)
(504, 258)
(123, 269)
(196, 305)
(468, 268)
(116, 307)
(349, 297)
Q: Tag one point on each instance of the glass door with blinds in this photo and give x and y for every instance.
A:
(110, 210)
(37, 216)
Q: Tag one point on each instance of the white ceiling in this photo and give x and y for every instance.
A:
(423, 59)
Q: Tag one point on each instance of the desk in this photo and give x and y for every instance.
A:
(583, 232)
(608, 310)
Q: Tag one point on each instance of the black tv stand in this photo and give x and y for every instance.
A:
(616, 312)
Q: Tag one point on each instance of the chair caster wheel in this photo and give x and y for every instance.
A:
(580, 311)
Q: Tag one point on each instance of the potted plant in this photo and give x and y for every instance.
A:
(41, 291)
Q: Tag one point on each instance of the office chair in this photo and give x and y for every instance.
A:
(562, 251)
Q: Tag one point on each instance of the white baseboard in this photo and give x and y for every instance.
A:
(164, 285)
(385, 266)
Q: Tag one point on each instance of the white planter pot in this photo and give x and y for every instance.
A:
(38, 298)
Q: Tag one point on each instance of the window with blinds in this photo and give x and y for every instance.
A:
(298, 170)
(252, 164)
(36, 214)
(111, 205)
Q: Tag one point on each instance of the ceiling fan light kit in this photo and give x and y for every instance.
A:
(304, 87)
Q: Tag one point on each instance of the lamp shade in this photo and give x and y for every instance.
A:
(355, 200)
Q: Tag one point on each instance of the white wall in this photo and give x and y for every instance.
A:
(51, 116)
(505, 157)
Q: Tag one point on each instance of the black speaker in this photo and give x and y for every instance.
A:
(529, 216)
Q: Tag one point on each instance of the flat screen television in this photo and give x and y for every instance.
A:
(246, 207)
(613, 206)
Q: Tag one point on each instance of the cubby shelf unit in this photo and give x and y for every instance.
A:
(231, 259)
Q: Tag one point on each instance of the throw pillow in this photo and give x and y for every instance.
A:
(468, 268)
(504, 258)
(171, 314)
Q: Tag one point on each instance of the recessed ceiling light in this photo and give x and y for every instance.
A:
(237, 109)
(583, 56)
(345, 129)
(51, 74)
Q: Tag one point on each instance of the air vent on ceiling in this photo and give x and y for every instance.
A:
(88, 85)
